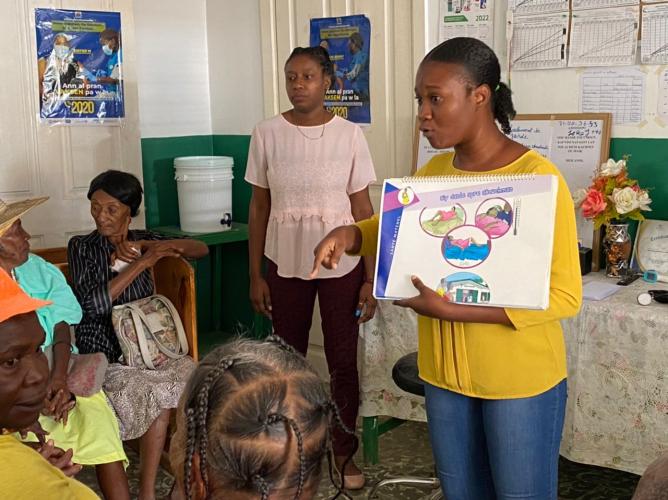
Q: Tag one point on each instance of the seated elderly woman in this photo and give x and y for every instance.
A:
(24, 380)
(86, 425)
(254, 422)
(112, 266)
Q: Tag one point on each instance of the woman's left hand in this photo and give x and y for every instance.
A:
(428, 303)
(366, 305)
(59, 458)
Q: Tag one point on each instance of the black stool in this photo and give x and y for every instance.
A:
(405, 375)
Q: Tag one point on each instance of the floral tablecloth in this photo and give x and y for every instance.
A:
(617, 410)
(383, 340)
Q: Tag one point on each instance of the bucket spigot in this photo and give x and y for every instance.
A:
(226, 220)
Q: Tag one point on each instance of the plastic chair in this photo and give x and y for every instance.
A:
(405, 375)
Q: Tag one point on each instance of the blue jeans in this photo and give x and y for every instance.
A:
(496, 449)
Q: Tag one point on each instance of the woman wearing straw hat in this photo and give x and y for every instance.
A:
(87, 425)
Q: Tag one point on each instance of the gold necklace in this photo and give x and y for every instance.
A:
(322, 132)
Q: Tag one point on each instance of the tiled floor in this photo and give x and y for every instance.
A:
(405, 451)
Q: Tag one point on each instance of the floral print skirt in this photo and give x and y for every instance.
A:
(138, 395)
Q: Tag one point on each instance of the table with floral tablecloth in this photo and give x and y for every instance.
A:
(617, 410)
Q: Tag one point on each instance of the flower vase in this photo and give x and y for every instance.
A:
(617, 246)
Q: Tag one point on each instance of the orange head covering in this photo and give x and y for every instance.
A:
(13, 300)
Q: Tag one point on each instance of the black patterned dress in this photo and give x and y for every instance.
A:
(137, 395)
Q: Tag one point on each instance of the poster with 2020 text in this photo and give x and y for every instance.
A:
(79, 66)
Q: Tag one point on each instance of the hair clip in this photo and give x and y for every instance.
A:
(645, 298)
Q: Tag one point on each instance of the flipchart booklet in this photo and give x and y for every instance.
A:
(483, 239)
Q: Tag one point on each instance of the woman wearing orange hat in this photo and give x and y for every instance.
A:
(87, 425)
(24, 376)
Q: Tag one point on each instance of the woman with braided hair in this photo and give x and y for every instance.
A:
(254, 422)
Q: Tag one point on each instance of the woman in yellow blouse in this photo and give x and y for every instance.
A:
(495, 378)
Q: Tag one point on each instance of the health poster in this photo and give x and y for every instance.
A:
(79, 66)
(470, 18)
(347, 39)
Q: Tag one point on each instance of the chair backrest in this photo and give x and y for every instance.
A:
(57, 255)
(174, 278)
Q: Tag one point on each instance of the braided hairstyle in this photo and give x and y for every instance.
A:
(259, 419)
(483, 68)
(318, 54)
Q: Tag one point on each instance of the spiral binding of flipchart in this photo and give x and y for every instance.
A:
(466, 178)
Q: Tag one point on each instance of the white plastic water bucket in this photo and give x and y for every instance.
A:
(204, 185)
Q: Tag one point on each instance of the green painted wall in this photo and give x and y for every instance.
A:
(161, 205)
(236, 146)
(158, 166)
(160, 200)
(648, 164)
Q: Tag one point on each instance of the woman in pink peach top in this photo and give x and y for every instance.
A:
(310, 172)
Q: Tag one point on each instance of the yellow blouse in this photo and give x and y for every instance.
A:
(495, 361)
(24, 473)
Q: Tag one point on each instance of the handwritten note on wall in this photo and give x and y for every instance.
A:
(536, 135)
(574, 146)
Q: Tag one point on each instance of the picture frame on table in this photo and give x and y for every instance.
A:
(650, 249)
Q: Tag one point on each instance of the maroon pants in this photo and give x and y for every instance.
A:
(292, 301)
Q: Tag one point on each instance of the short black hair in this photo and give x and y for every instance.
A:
(318, 54)
(123, 186)
(482, 67)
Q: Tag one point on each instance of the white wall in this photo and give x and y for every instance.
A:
(212, 80)
(172, 67)
(199, 66)
(59, 162)
(235, 65)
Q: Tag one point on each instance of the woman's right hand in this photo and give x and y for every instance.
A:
(127, 251)
(260, 296)
(332, 247)
(59, 400)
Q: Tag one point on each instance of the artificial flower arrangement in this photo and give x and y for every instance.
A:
(612, 196)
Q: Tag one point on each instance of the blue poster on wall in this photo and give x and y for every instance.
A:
(347, 40)
(79, 66)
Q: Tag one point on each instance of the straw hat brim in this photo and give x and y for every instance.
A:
(11, 212)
